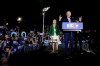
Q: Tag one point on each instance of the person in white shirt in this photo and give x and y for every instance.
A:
(54, 33)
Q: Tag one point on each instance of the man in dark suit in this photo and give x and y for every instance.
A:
(68, 35)
(79, 36)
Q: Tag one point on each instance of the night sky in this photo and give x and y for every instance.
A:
(31, 12)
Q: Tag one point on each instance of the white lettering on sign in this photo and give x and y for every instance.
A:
(72, 25)
(68, 25)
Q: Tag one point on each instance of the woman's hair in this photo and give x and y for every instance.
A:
(6, 47)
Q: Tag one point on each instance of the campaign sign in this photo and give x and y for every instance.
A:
(23, 34)
(15, 33)
(72, 25)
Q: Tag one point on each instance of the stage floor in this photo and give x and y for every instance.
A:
(43, 57)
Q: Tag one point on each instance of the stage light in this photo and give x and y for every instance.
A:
(19, 19)
(46, 9)
(6, 23)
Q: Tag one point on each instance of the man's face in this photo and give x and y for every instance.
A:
(6, 36)
(68, 14)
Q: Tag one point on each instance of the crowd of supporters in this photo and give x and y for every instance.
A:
(14, 40)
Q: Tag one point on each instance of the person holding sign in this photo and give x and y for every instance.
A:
(54, 33)
(23, 34)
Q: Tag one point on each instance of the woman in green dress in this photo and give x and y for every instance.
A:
(54, 35)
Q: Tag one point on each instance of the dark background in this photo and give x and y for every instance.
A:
(31, 12)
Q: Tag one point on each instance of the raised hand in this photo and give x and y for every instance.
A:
(80, 18)
(60, 17)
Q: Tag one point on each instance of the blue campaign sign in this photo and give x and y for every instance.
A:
(72, 25)
(23, 33)
(13, 33)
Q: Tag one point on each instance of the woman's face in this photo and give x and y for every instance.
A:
(54, 21)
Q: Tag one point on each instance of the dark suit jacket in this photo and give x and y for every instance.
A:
(66, 20)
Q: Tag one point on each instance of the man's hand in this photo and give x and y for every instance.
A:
(80, 18)
(60, 17)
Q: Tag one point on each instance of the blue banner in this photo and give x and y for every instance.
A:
(72, 25)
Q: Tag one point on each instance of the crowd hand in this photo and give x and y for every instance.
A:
(60, 17)
(10, 52)
(1, 42)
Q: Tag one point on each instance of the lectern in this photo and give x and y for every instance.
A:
(72, 26)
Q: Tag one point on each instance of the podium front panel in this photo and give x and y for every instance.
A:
(73, 26)
(72, 30)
